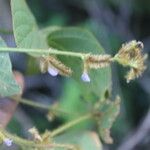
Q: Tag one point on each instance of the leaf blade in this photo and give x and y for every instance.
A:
(110, 111)
(69, 39)
(8, 85)
(26, 32)
(80, 40)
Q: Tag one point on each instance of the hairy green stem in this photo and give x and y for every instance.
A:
(70, 124)
(43, 51)
(31, 103)
(38, 105)
(29, 143)
(63, 127)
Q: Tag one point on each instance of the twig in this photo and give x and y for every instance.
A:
(38, 105)
(70, 124)
(28, 143)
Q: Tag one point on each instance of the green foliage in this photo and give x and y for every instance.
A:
(109, 112)
(79, 98)
(26, 32)
(8, 85)
(80, 40)
(27, 35)
(85, 94)
(70, 100)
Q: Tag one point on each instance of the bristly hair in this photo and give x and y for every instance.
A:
(131, 55)
(48, 61)
(98, 61)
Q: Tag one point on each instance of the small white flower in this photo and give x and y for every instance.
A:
(8, 142)
(85, 77)
(52, 71)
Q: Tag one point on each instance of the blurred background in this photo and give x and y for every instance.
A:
(113, 22)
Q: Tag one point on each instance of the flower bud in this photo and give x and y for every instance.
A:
(52, 71)
(7, 142)
(54, 66)
(85, 77)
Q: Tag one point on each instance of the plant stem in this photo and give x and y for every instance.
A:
(126, 64)
(32, 104)
(38, 105)
(63, 127)
(43, 51)
(28, 143)
(70, 124)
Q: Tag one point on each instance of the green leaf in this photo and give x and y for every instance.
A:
(8, 85)
(80, 40)
(46, 31)
(109, 111)
(71, 94)
(75, 93)
(71, 102)
(26, 32)
(83, 141)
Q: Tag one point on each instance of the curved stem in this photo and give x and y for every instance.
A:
(29, 143)
(31, 103)
(38, 105)
(63, 127)
(70, 124)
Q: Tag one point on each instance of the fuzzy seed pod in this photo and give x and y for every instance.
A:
(98, 61)
(62, 69)
(54, 66)
(43, 65)
(131, 55)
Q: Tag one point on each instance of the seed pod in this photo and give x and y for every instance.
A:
(131, 55)
(54, 66)
(63, 70)
(98, 61)
(43, 64)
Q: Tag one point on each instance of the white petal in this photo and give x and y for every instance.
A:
(52, 71)
(85, 77)
(8, 142)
